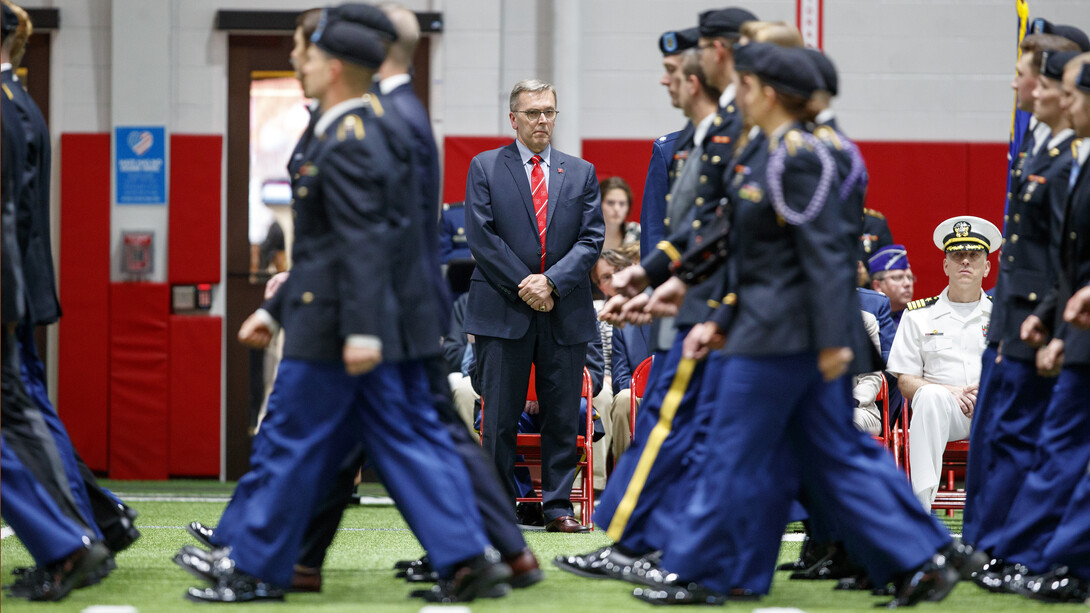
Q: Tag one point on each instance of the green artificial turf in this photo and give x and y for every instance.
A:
(358, 575)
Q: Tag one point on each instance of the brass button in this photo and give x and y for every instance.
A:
(1025, 198)
(716, 159)
(1017, 217)
(666, 222)
(1010, 258)
(302, 191)
(730, 299)
(703, 178)
(704, 158)
(1033, 295)
(718, 120)
(696, 224)
(1074, 236)
(730, 108)
(1014, 238)
(308, 297)
(699, 200)
(668, 197)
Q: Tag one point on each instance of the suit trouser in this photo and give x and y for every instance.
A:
(936, 420)
(1006, 423)
(620, 423)
(317, 415)
(504, 369)
(32, 372)
(1059, 463)
(498, 516)
(665, 433)
(778, 425)
(48, 534)
(1070, 543)
(29, 437)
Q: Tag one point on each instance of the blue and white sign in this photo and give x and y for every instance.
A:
(140, 160)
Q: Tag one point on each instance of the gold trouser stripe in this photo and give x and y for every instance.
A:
(651, 448)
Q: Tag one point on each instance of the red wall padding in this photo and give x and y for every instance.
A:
(139, 375)
(195, 356)
(915, 184)
(195, 196)
(83, 363)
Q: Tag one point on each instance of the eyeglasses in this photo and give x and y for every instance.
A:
(897, 278)
(535, 114)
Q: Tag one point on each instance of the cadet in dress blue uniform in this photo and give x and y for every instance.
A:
(453, 243)
(785, 214)
(1013, 396)
(1062, 453)
(642, 495)
(667, 152)
(352, 369)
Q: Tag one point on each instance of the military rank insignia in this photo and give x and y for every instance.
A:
(723, 140)
(751, 192)
(984, 329)
(308, 170)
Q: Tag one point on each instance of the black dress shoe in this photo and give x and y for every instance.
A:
(1005, 579)
(204, 565)
(1057, 585)
(860, 582)
(55, 581)
(566, 524)
(120, 532)
(484, 576)
(932, 581)
(810, 554)
(202, 533)
(604, 563)
(833, 565)
(403, 564)
(420, 574)
(234, 585)
(968, 560)
(689, 594)
(645, 570)
(530, 514)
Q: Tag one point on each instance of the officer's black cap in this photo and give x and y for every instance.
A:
(1074, 35)
(676, 41)
(827, 69)
(9, 21)
(786, 69)
(1053, 62)
(354, 33)
(724, 22)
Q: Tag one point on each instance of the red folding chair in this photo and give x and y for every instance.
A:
(529, 447)
(954, 461)
(638, 387)
(889, 437)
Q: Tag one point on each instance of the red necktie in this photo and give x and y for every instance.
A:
(541, 201)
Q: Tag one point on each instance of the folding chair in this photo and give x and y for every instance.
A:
(955, 458)
(638, 387)
(529, 447)
(889, 438)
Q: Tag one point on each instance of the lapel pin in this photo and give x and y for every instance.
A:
(560, 171)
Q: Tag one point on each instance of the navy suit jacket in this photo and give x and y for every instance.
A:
(502, 228)
(631, 345)
(32, 206)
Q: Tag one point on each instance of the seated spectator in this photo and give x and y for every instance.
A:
(458, 356)
(891, 274)
(936, 353)
(631, 345)
(866, 386)
(452, 233)
(616, 204)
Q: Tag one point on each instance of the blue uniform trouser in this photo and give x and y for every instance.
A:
(778, 425)
(663, 437)
(1070, 543)
(317, 414)
(1063, 452)
(32, 373)
(47, 533)
(1006, 423)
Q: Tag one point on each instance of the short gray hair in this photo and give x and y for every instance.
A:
(532, 86)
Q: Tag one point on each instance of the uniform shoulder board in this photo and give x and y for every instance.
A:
(351, 125)
(1075, 144)
(922, 303)
(873, 213)
(375, 104)
(794, 140)
(7, 92)
(829, 136)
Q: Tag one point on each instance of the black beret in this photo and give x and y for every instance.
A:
(346, 32)
(1074, 35)
(1053, 62)
(827, 69)
(367, 15)
(1083, 81)
(724, 22)
(674, 42)
(786, 69)
(9, 21)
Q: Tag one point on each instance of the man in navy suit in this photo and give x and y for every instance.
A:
(535, 228)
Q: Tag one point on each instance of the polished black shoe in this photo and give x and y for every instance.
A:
(202, 533)
(968, 560)
(1057, 585)
(859, 582)
(809, 555)
(833, 565)
(646, 570)
(420, 573)
(233, 585)
(604, 563)
(530, 514)
(932, 581)
(205, 565)
(57, 580)
(484, 576)
(120, 533)
(689, 594)
(1002, 578)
